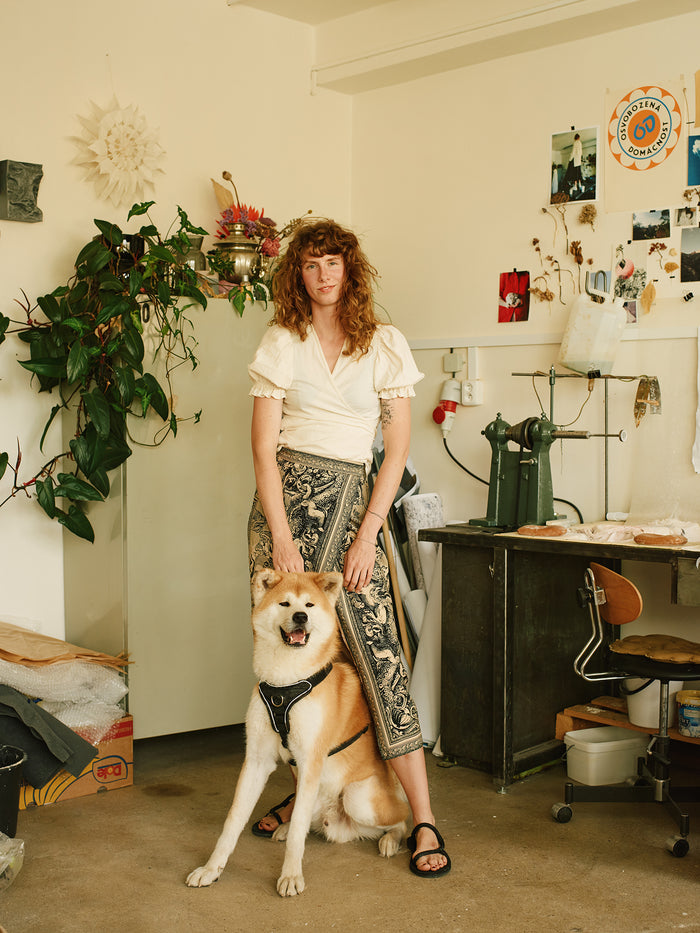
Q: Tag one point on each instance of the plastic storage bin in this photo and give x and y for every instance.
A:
(603, 755)
(643, 707)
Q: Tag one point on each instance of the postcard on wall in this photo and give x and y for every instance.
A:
(642, 158)
(514, 296)
(574, 161)
(690, 254)
(629, 270)
(694, 160)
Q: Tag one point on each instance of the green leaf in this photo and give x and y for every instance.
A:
(54, 411)
(173, 424)
(114, 307)
(141, 208)
(97, 408)
(237, 298)
(116, 452)
(100, 480)
(89, 450)
(78, 363)
(94, 256)
(156, 251)
(148, 230)
(110, 232)
(51, 308)
(125, 383)
(110, 283)
(74, 488)
(77, 523)
(77, 325)
(4, 324)
(189, 227)
(45, 367)
(135, 282)
(3, 464)
(156, 396)
(45, 496)
(131, 349)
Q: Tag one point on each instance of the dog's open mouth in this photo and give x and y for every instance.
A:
(297, 638)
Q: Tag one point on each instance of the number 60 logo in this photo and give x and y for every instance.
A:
(644, 128)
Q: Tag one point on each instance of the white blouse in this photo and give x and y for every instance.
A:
(332, 414)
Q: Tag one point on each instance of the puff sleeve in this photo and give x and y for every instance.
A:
(272, 368)
(395, 371)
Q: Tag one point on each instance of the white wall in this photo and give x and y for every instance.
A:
(450, 178)
(228, 88)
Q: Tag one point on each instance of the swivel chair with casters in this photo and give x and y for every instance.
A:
(613, 600)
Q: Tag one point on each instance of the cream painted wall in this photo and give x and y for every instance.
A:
(450, 174)
(228, 88)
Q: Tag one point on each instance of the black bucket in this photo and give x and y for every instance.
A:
(11, 761)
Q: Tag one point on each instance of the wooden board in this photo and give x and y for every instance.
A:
(605, 711)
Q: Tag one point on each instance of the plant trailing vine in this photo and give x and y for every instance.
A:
(90, 348)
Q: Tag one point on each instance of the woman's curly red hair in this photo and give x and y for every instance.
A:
(356, 305)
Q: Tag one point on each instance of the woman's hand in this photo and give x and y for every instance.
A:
(359, 564)
(286, 557)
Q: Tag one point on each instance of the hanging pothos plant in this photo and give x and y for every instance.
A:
(90, 349)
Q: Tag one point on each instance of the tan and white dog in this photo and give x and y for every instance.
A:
(309, 710)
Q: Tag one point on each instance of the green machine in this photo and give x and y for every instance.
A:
(520, 484)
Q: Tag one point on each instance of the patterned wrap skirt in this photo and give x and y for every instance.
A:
(325, 501)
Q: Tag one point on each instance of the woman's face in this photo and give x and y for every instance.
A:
(323, 277)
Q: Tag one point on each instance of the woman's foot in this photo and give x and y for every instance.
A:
(428, 847)
(275, 817)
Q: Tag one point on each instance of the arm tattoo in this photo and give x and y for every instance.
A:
(387, 411)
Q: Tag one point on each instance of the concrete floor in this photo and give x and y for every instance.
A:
(117, 861)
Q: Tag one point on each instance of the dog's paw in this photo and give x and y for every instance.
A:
(202, 877)
(289, 885)
(390, 843)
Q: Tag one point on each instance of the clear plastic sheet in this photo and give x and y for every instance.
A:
(11, 860)
(83, 695)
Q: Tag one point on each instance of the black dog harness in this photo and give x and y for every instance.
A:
(279, 700)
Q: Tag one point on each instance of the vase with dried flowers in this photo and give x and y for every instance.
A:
(248, 243)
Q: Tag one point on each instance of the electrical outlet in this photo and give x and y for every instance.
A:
(472, 392)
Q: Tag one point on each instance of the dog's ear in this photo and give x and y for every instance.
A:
(331, 584)
(263, 580)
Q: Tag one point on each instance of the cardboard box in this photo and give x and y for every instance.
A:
(113, 768)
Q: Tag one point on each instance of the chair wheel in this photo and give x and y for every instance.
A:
(678, 846)
(561, 812)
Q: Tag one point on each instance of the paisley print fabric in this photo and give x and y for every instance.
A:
(325, 502)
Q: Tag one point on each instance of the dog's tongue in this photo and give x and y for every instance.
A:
(297, 637)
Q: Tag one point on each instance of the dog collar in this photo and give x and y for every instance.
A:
(279, 700)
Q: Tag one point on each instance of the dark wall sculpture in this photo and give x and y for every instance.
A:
(19, 187)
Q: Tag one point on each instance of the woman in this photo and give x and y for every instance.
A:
(323, 376)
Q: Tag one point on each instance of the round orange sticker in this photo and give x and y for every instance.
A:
(644, 128)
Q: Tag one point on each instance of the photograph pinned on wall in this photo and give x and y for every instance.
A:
(631, 310)
(513, 297)
(574, 157)
(694, 159)
(651, 225)
(685, 216)
(629, 270)
(690, 254)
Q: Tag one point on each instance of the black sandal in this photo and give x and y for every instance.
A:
(266, 833)
(411, 844)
